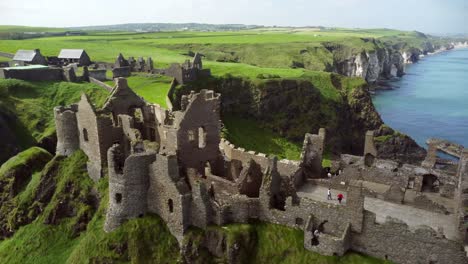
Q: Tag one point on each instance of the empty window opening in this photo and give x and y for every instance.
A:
(191, 135)
(85, 134)
(118, 198)
(170, 204)
(299, 221)
(201, 137)
(411, 183)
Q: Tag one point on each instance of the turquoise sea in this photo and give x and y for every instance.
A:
(431, 100)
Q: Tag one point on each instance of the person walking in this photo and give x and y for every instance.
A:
(340, 197)
(329, 195)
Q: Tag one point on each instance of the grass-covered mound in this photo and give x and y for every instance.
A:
(26, 110)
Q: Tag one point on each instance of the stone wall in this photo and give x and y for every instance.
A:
(7, 55)
(168, 194)
(170, 95)
(34, 74)
(462, 195)
(199, 129)
(103, 85)
(396, 242)
(96, 135)
(98, 74)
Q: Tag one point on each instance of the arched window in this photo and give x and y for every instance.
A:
(85, 134)
(170, 204)
(201, 137)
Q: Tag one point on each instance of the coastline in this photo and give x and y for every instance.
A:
(385, 84)
(447, 147)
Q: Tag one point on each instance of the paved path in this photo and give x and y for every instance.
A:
(413, 217)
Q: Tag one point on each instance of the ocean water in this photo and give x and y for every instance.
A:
(431, 100)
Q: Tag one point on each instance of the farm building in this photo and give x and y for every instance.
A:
(23, 57)
(74, 56)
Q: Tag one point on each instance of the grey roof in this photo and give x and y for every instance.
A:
(70, 53)
(24, 55)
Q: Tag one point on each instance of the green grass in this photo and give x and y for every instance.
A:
(143, 240)
(32, 159)
(253, 51)
(33, 103)
(153, 90)
(247, 134)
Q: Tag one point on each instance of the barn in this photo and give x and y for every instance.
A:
(74, 56)
(23, 57)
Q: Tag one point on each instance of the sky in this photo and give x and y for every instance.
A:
(429, 16)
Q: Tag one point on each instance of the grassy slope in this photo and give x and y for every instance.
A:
(138, 241)
(33, 103)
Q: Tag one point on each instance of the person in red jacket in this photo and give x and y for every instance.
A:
(340, 197)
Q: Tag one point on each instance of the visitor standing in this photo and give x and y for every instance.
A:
(340, 197)
(329, 195)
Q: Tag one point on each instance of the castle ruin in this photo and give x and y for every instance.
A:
(173, 162)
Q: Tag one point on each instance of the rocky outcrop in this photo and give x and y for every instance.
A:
(383, 60)
(371, 65)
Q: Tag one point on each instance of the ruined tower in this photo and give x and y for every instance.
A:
(67, 130)
(128, 185)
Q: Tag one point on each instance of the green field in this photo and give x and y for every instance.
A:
(243, 53)
(153, 89)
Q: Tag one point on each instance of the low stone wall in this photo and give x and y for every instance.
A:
(98, 74)
(34, 74)
(103, 85)
(170, 95)
(7, 55)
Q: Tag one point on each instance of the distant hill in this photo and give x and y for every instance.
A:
(154, 27)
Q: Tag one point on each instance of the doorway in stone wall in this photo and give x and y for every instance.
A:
(430, 183)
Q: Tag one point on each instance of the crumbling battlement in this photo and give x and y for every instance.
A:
(187, 71)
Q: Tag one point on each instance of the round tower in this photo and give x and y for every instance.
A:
(67, 130)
